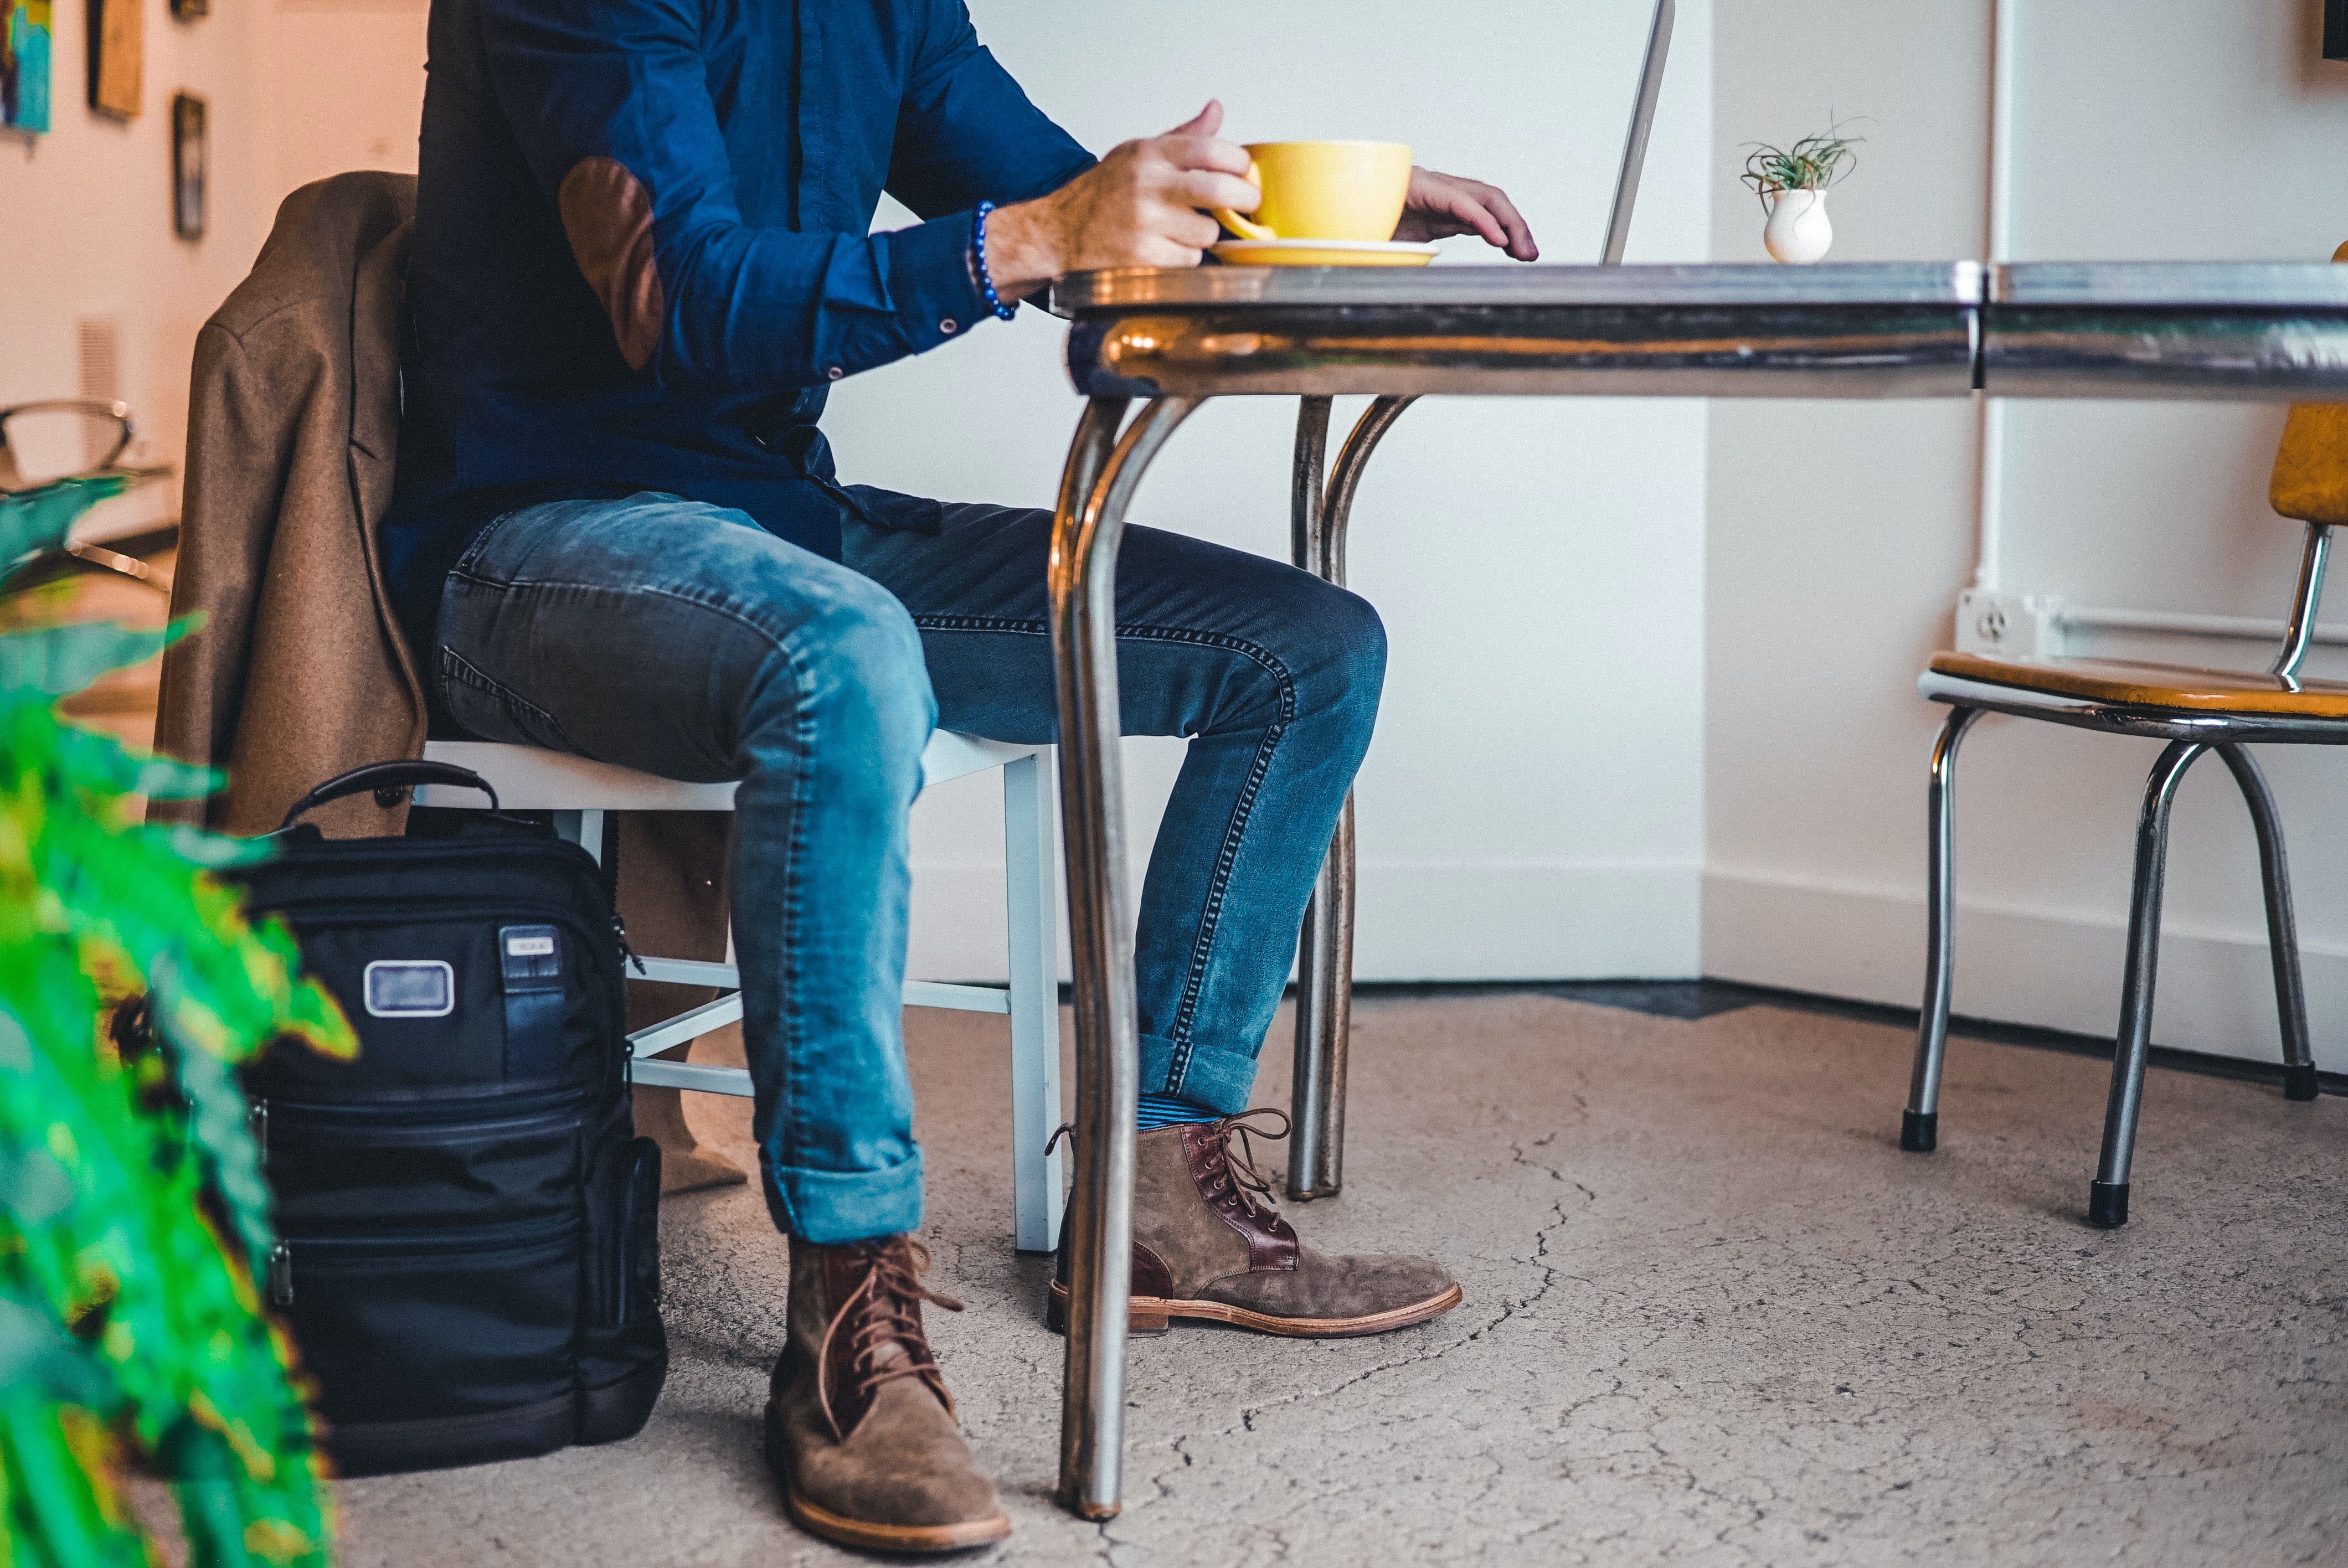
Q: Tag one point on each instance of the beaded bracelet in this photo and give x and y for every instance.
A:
(978, 261)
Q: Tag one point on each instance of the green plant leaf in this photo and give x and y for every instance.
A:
(100, 761)
(35, 1353)
(58, 661)
(35, 522)
(133, 1209)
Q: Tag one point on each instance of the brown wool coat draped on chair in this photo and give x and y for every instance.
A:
(300, 670)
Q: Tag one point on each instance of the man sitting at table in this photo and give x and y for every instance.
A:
(641, 255)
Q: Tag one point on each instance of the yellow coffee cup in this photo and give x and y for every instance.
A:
(1323, 190)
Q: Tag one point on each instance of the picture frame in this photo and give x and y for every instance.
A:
(118, 58)
(2336, 29)
(191, 158)
(27, 30)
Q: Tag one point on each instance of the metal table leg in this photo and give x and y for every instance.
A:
(1325, 968)
(1094, 488)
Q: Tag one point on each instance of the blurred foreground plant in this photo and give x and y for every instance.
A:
(134, 1222)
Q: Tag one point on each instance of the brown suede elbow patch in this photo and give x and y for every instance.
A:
(607, 215)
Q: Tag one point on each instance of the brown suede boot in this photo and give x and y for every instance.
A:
(859, 1424)
(1205, 1246)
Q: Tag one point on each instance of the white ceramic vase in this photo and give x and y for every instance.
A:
(1799, 231)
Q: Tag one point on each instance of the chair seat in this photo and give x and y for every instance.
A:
(528, 778)
(2141, 684)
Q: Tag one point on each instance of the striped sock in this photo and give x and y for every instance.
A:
(1167, 1111)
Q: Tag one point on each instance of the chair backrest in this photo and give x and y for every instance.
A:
(2310, 483)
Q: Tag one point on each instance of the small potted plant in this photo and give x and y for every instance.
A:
(1792, 184)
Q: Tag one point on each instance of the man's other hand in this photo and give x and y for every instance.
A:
(1138, 206)
(1442, 205)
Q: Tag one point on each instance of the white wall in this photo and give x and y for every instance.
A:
(1532, 805)
(1637, 644)
(85, 230)
(344, 86)
(2168, 129)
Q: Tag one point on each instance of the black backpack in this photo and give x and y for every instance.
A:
(470, 1257)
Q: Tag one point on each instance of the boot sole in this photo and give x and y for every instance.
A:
(816, 1519)
(1153, 1315)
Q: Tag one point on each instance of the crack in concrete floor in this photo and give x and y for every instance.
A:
(1714, 1317)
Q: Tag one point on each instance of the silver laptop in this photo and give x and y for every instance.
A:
(1634, 143)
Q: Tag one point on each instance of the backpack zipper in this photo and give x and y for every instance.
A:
(413, 1245)
(437, 1116)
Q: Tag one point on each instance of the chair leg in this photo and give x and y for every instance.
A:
(584, 828)
(1920, 1124)
(1037, 1185)
(2282, 930)
(2107, 1199)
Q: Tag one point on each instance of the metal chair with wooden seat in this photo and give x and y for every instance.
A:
(578, 792)
(2195, 711)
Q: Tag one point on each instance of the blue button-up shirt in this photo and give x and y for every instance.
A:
(641, 251)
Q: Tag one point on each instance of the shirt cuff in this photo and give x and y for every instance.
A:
(930, 278)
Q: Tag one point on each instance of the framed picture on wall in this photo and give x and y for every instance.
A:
(2336, 29)
(24, 30)
(189, 154)
(117, 56)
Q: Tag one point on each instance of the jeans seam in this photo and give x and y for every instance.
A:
(453, 663)
(1226, 856)
(779, 640)
(794, 875)
(978, 623)
(480, 542)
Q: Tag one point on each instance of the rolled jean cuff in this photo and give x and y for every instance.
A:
(1220, 1080)
(832, 1207)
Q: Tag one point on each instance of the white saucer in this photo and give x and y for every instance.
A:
(1325, 252)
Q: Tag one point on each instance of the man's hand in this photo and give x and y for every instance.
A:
(1138, 206)
(1442, 205)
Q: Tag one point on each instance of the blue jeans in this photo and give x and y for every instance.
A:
(682, 640)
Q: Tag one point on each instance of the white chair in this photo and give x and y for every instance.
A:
(578, 792)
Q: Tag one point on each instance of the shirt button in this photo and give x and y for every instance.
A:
(949, 325)
(834, 373)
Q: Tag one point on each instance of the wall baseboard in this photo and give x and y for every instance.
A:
(1419, 920)
(2047, 969)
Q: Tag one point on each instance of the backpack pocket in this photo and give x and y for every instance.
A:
(635, 1279)
(454, 1346)
(354, 1170)
(623, 1352)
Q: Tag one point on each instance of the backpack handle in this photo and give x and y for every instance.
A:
(383, 779)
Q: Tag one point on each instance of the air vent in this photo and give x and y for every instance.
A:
(100, 339)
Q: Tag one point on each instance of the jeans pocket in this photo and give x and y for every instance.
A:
(491, 711)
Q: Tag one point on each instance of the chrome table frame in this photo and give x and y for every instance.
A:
(2256, 332)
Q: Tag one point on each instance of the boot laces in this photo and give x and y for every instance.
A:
(882, 1321)
(1233, 1171)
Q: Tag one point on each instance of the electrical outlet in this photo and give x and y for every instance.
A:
(2010, 625)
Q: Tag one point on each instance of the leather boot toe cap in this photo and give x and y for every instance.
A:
(906, 1464)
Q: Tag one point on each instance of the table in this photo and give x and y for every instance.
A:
(1174, 339)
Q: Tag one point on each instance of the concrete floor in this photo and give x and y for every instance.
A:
(1714, 1317)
